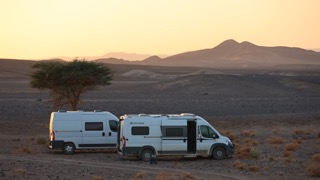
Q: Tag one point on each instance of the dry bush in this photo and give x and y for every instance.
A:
(238, 165)
(271, 159)
(316, 158)
(253, 168)
(97, 178)
(246, 152)
(314, 167)
(250, 142)
(20, 171)
(24, 150)
(162, 175)
(229, 134)
(300, 132)
(275, 131)
(188, 175)
(248, 133)
(41, 140)
(254, 153)
(287, 154)
(298, 141)
(139, 175)
(291, 146)
(276, 140)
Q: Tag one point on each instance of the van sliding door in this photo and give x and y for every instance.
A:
(94, 131)
(192, 137)
(174, 137)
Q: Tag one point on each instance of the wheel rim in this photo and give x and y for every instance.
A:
(147, 155)
(219, 153)
(69, 148)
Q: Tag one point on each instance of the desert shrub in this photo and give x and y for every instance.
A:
(316, 158)
(248, 133)
(254, 153)
(188, 175)
(41, 140)
(287, 153)
(314, 167)
(97, 178)
(229, 134)
(276, 140)
(24, 150)
(246, 152)
(238, 165)
(275, 131)
(254, 168)
(291, 146)
(271, 159)
(298, 141)
(139, 175)
(250, 142)
(20, 171)
(300, 132)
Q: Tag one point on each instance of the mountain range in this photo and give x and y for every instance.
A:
(231, 53)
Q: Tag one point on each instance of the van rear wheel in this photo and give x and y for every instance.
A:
(219, 153)
(146, 155)
(68, 148)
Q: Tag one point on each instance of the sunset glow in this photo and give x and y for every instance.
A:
(35, 29)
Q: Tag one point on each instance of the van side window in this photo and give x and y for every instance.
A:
(94, 126)
(206, 131)
(140, 130)
(174, 132)
(113, 125)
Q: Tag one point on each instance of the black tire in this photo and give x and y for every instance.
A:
(68, 148)
(146, 155)
(219, 153)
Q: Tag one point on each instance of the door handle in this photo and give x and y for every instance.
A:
(103, 134)
(184, 140)
(109, 133)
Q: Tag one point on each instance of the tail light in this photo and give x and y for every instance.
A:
(52, 136)
(123, 142)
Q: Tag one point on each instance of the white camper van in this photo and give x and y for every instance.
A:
(71, 130)
(146, 135)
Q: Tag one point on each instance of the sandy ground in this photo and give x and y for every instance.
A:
(273, 120)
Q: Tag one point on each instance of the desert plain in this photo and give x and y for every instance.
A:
(271, 115)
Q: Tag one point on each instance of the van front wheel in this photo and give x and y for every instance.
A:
(146, 155)
(219, 153)
(68, 148)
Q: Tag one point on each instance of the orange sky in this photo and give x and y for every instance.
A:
(36, 29)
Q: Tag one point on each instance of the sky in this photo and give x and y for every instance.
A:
(40, 29)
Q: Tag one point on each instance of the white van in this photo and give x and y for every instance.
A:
(146, 135)
(71, 130)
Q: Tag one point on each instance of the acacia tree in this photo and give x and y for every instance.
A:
(66, 81)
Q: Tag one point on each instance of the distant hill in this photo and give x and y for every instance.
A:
(230, 53)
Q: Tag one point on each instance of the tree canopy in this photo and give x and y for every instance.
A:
(66, 81)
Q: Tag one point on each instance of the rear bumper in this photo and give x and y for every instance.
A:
(56, 144)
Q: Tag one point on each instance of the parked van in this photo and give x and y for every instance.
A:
(71, 130)
(148, 135)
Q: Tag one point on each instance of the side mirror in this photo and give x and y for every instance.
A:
(213, 135)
